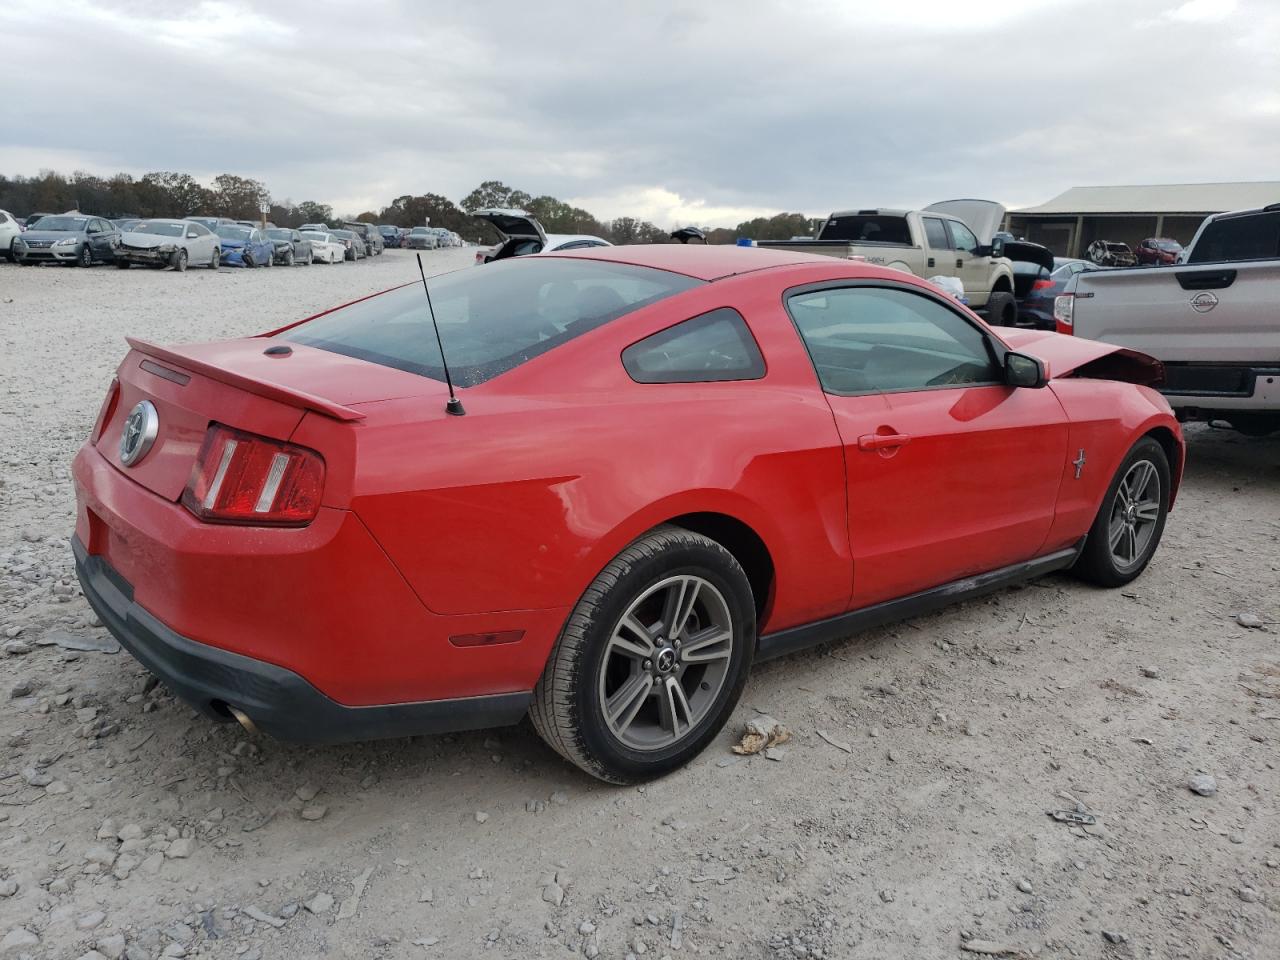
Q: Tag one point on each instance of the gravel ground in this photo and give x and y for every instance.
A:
(906, 817)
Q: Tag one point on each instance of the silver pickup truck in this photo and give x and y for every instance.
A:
(1214, 321)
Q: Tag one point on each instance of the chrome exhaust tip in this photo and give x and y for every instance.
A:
(243, 719)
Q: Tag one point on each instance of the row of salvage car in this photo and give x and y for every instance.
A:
(76, 239)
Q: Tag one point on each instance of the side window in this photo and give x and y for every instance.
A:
(935, 234)
(95, 226)
(962, 237)
(878, 339)
(713, 347)
(1254, 236)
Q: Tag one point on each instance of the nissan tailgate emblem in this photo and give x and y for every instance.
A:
(139, 432)
(1204, 302)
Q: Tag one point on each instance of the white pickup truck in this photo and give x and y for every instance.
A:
(1213, 321)
(953, 238)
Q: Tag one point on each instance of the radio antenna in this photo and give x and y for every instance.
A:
(454, 406)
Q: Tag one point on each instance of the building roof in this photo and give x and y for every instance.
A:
(1161, 198)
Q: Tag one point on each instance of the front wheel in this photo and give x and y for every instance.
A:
(288, 257)
(1130, 522)
(651, 661)
(85, 259)
(180, 261)
(215, 260)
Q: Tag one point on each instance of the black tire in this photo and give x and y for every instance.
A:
(1255, 424)
(288, 257)
(123, 264)
(1002, 311)
(567, 711)
(85, 257)
(9, 254)
(180, 260)
(216, 260)
(270, 259)
(1097, 563)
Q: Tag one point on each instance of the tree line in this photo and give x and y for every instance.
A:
(169, 194)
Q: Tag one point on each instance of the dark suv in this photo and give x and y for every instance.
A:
(369, 234)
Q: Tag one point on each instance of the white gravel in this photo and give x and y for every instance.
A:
(989, 716)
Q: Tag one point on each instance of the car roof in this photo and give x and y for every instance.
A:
(697, 261)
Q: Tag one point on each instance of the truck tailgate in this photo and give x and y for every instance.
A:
(1203, 313)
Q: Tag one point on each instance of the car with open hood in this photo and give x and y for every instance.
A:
(74, 239)
(163, 243)
(523, 235)
(244, 246)
(595, 487)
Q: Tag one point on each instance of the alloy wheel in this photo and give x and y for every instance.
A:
(666, 662)
(1135, 512)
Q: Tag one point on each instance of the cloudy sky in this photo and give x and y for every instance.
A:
(707, 112)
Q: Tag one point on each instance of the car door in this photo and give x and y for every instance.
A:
(950, 472)
(973, 270)
(938, 255)
(94, 238)
(200, 243)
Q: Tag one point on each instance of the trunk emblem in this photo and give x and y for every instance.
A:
(1204, 302)
(139, 432)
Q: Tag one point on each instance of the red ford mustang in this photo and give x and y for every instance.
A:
(671, 461)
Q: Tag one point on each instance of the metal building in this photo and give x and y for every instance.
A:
(1069, 222)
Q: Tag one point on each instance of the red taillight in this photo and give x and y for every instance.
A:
(107, 411)
(1064, 313)
(243, 478)
(1042, 285)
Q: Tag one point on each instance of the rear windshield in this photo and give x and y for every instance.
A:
(492, 318)
(867, 229)
(1252, 237)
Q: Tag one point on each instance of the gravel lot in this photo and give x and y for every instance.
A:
(906, 817)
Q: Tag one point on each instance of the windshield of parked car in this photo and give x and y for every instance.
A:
(230, 231)
(71, 224)
(492, 318)
(158, 229)
(1117, 247)
(1172, 246)
(345, 234)
(315, 235)
(867, 229)
(419, 230)
(279, 233)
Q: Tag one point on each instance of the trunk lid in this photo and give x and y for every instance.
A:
(237, 384)
(513, 224)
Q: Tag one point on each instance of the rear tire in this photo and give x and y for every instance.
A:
(1130, 521)
(653, 683)
(1002, 311)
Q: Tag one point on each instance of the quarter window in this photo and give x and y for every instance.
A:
(883, 339)
(713, 347)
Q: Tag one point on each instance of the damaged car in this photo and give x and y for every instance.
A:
(244, 246)
(168, 243)
(606, 485)
(290, 246)
(73, 239)
(1111, 253)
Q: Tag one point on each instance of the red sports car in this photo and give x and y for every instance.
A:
(670, 461)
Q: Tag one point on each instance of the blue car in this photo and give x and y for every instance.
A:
(244, 246)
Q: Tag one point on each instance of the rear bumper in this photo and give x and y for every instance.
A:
(1204, 389)
(278, 701)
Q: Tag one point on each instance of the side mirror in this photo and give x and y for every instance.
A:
(1021, 370)
(191, 234)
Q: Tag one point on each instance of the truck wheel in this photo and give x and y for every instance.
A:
(651, 661)
(1255, 424)
(1001, 310)
(1127, 529)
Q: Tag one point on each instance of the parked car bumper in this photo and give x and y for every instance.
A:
(51, 254)
(148, 256)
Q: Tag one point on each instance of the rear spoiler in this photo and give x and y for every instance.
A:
(263, 388)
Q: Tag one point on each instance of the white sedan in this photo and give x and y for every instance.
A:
(325, 247)
(168, 243)
(9, 230)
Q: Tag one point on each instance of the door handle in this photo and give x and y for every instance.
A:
(930, 262)
(882, 441)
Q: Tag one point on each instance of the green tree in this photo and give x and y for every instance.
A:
(166, 194)
(239, 197)
(311, 212)
(495, 193)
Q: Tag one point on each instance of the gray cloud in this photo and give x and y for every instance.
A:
(702, 113)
